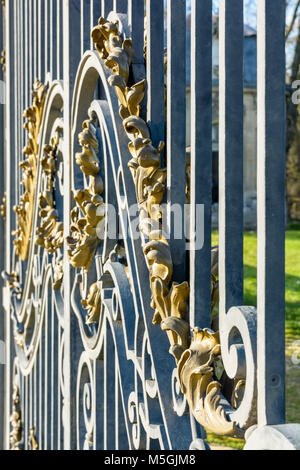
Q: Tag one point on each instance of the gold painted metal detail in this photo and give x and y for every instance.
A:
(194, 356)
(196, 376)
(15, 436)
(24, 210)
(19, 338)
(3, 60)
(50, 233)
(89, 213)
(33, 444)
(3, 207)
(13, 282)
(58, 274)
(92, 304)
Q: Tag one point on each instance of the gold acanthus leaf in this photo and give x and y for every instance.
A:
(117, 54)
(194, 357)
(129, 98)
(50, 233)
(87, 159)
(33, 444)
(15, 436)
(24, 210)
(3, 208)
(149, 178)
(58, 274)
(195, 372)
(92, 304)
(3, 60)
(89, 213)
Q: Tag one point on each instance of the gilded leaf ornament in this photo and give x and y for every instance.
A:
(58, 274)
(87, 216)
(196, 372)
(3, 60)
(13, 282)
(194, 356)
(3, 208)
(28, 166)
(15, 436)
(92, 304)
(33, 444)
(50, 233)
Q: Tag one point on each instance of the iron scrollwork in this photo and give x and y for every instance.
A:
(195, 356)
(34, 280)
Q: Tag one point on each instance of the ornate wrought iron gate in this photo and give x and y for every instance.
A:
(108, 336)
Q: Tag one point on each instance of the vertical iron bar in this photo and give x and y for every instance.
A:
(30, 47)
(26, 53)
(120, 6)
(87, 25)
(58, 42)
(231, 33)
(46, 381)
(22, 74)
(2, 238)
(35, 42)
(58, 387)
(17, 156)
(94, 16)
(71, 33)
(53, 39)
(155, 70)
(107, 7)
(176, 132)
(82, 27)
(40, 19)
(271, 212)
(47, 37)
(41, 395)
(51, 52)
(136, 25)
(201, 162)
(52, 372)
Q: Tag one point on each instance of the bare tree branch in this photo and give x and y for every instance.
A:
(290, 28)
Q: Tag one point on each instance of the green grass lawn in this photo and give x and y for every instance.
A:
(292, 318)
